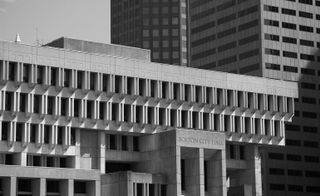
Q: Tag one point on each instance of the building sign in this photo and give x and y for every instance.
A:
(200, 139)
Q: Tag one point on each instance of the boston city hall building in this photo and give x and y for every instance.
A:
(82, 118)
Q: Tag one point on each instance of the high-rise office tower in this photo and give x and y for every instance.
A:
(157, 25)
(275, 39)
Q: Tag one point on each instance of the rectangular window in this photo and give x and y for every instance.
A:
(309, 2)
(271, 37)
(304, 42)
(289, 25)
(305, 14)
(288, 11)
(306, 28)
(289, 40)
(272, 52)
(271, 22)
(290, 54)
(271, 8)
(272, 66)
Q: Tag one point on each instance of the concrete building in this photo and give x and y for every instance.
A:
(83, 118)
(273, 39)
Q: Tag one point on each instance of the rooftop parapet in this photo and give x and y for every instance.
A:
(100, 48)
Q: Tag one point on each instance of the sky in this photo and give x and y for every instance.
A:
(46, 20)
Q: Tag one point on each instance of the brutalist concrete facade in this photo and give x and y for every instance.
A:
(107, 122)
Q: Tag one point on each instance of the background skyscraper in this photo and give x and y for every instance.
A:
(274, 39)
(157, 25)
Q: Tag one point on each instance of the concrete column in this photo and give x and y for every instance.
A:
(23, 158)
(174, 176)
(221, 121)
(2, 67)
(78, 156)
(1, 100)
(102, 140)
(67, 187)
(217, 174)
(1, 130)
(93, 188)
(194, 176)
(39, 187)
(10, 186)
(252, 175)
(16, 102)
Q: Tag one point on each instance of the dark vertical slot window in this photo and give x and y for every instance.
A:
(115, 112)
(142, 87)
(117, 84)
(92, 80)
(89, 109)
(153, 88)
(51, 105)
(67, 77)
(19, 131)
(26, 72)
(5, 130)
(232, 152)
(9, 98)
(127, 113)
(64, 106)
(124, 143)
(12, 70)
(23, 99)
(242, 153)
(76, 108)
(101, 110)
(37, 104)
(135, 143)
(33, 133)
(79, 79)
(54, 74)
(60, 135)
(205, 164)
(183, 175)
(47, 134)
(113, 143)
(105, 82)
(40, 74)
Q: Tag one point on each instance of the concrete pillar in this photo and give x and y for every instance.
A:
(217, 174)
(39, 187)
(10, 186)
(93, 188)
(102, 140)
(252, 175)
(194, 177)
(67, 187)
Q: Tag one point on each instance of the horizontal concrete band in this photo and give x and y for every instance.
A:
(52, 173)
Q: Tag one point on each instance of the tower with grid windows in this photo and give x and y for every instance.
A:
(273, 39)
